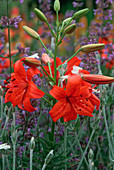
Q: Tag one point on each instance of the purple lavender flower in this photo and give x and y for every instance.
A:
(77, 4)
(5, 22)
(1, 48)
(23, 50)
(21, 1)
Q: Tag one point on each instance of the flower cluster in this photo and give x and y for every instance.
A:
(5, 22)
(22, 89)
(23, 50)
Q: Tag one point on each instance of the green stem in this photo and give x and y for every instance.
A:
(107, 131)
(47, 101)
(14, 142)
(81, 150)
(86, 149)
(45, 47)
(65, 144)
(74, 54)
(50, 29)
(52, 130)
(31, 155)
(90, 167)
(69, 59)
(9, 38)
(55, 69)
(50, 69)
(14, 146)
(47, 74)
(3, 161)
(7, 161)
(60, 41)
(7, 119)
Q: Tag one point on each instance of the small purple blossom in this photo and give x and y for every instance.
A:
(5, 22)
(23, 50)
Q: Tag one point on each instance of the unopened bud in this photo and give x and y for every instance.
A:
(31, 62)
(67, 20)
(32, 143)
(31, 32)
(57, 5)
(46, 59)
(90, 154)
(80, 13)
(40, 15)
(92, 47)
(70, 29)
(97, 79)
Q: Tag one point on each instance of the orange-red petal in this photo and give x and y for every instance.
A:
(58, 92)
(31, 72)
(19, 70)
(59, 110)
(33, 92)
(27, 104)
(73, 85)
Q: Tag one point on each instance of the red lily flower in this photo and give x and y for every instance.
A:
(21, 89)
(76, 99)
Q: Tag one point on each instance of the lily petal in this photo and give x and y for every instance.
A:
(19, 70)
(58, 92)
(32, 71)
(33, 91)
(27, 104)
(59, 110)
(73, 85)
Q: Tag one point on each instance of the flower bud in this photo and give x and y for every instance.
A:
(90, 154)
(66, 21)
(31, 32)
(80, 13)
(70, 29)
(31, 62)
(40, 15)
(32, 143)
(57, 5)
(92, 47)
(46, 59)
(97, 79)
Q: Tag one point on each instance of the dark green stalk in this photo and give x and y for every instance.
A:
(9, 37)
(107, 131)
(47, 101)
(52, 129)
(3, 131)
(55, 70)
(3, 161)
(65, 144)
(45, 48)
(47, 74)
(81, 149)
(31, 156)
(51, 29)
(14, 143)
(50, 69)
(86, 149)
(74, 54)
